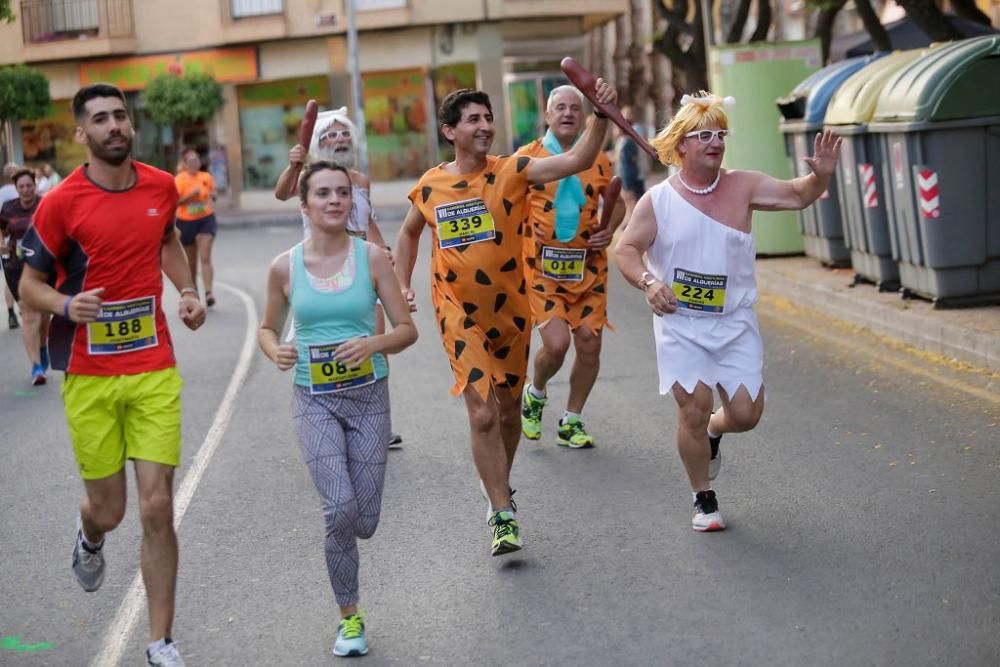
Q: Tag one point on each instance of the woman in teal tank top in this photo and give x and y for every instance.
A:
(340, 404)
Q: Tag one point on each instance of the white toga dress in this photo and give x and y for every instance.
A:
(714, 336)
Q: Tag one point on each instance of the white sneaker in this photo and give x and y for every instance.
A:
(706, 513)
(714, 463)
(88, 566)
(165, 655)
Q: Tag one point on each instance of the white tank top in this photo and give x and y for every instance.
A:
(709, 265)
(361, 213)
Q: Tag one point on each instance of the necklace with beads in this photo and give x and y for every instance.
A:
(701, 191)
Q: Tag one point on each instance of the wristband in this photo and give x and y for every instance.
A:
(66, 303)
(600, 114)
(191, 290)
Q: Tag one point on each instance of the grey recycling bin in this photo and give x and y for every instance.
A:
(938, 121)
(803, 110)
(859, 171)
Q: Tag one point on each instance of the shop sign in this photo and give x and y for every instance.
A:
(236, 65)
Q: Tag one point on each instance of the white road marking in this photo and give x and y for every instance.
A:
(117, 636)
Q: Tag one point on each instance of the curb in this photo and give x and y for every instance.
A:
(966, 345)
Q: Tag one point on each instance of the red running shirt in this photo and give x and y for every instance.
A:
(92, 237)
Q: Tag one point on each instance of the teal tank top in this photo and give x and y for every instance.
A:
(327, 318)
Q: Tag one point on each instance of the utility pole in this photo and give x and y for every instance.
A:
(359, 111)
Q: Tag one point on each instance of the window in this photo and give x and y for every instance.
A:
(246, 8)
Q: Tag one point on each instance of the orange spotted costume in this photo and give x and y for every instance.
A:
(478, 285)
(567, 280)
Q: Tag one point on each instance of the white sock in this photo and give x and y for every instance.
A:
(91, 546)
(710, 434)
(158, 644)
(534, 392)
(567, 416)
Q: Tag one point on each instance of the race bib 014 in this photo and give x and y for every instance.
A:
(563, 263)
(699, 291)
(463, 223)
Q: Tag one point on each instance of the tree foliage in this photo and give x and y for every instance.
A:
(6, 14)
(24, 93)
(175, 100)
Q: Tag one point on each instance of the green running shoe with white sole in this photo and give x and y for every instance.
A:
(572, 434)
(506, 534)
(351, 637)
(531, 414)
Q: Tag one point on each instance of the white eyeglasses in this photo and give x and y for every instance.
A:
(333, 135)
(706, 136)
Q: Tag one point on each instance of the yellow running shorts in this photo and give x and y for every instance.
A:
(113, 418)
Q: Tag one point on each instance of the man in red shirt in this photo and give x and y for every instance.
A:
(105, 233)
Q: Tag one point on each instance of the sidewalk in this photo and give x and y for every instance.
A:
(969, 335)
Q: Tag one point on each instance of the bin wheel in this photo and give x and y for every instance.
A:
(905, 293)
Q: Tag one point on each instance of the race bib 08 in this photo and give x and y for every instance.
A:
(123, 326)
(563, 263)
(327, 375)
(463, 223)
(699, 291)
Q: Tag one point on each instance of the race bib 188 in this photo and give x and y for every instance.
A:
(123, 326)
(463, 223)
(327, 375)
(563, 263)
(699, 291)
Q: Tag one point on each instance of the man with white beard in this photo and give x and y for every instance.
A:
(333, 141)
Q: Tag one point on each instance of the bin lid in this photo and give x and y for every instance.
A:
(957, 80)
(836, 75)
(855, 100)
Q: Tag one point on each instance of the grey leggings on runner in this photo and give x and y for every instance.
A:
(344, 439)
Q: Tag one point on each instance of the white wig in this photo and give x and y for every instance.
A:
(563, 89)
(324, 121)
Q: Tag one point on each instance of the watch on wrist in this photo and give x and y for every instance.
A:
(189, 290)
(645, 280)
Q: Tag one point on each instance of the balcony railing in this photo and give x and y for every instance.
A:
(51, 20)
(242, 9)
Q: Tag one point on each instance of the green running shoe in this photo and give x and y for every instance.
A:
(506, 534)
(351, 637)
(572, 434)
(531, 414)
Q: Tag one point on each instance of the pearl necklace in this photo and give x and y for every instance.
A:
(701, 191)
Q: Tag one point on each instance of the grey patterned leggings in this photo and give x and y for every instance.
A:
(344, 439)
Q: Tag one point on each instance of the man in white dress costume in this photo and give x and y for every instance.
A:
(693, 231)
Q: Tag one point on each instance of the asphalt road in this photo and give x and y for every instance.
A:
(861, 512)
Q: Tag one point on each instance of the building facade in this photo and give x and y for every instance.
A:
(273, 55)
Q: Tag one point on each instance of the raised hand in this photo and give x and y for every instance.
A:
(297, 155)
(606, 93)
(826, 152)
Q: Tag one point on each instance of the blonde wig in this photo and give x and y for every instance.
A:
(696, 112)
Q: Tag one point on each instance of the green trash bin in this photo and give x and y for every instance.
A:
(938, 121)
(803, 110)
(859, 171)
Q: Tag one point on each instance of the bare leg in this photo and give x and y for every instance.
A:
(203, 243)
(585, 367)
(159, 544)
(739, 414)
(510, 424)
(191, 251)
(103, 507)
(488, 447)
(549, 359)
(693, 411)
(31, 321)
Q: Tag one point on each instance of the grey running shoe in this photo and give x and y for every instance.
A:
(88, 565)
(166, 655)
(395, 441)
